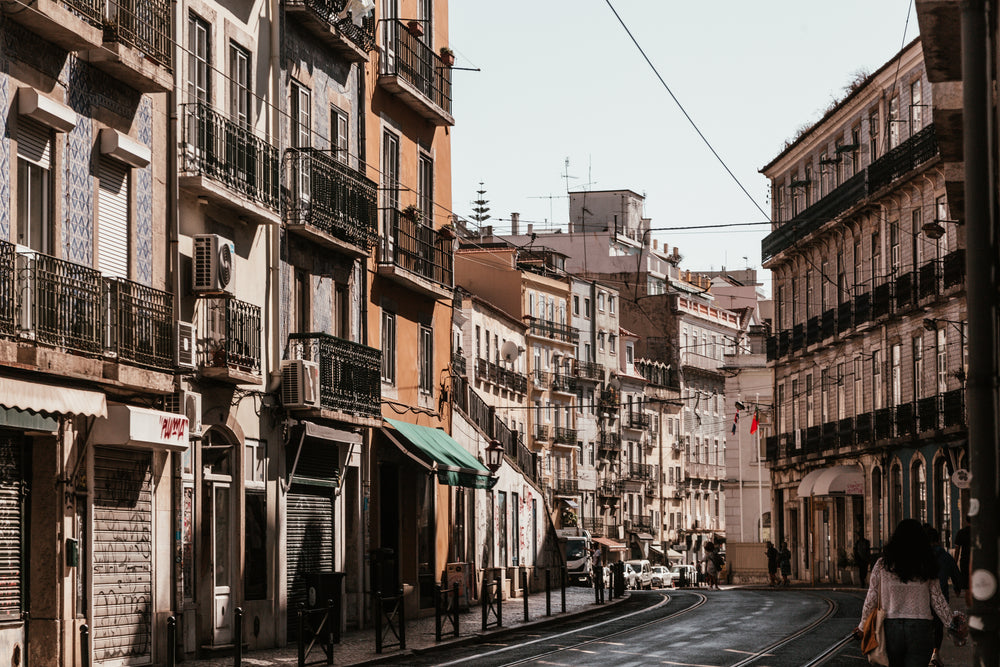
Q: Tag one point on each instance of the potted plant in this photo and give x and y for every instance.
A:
(415, 28)
(411, 213)
(447, 232)
(447, 56)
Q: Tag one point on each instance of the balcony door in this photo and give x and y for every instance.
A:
(390, 194)
(218, 528)
(390, 12)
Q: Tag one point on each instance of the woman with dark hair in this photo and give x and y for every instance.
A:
(905, 579)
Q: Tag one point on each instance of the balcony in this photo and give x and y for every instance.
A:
(784, 342)
(415, 74)
(8, 293)
(895, 164)
(929, 413)
(954, 408)
(812, 330)
(701, 362)
(221, 158)
(814, 439)
(329, 203)
(141, 324)
(863, 429)
(342, 35)
(637, 420)
(772, 348)
(457, 363)
(771, 448)
(844, 316)
(845, 432)
(594, 525)
(906, 419)
(589, 370)
(565, 384)
(610, 489)
(229, 332)
(928, 280)
(828, 326)
(862, 309)
(552, 330)
(609, 442)
(564, 436)
(954, 269)
(350, 386)
(566, 487)
(641, 524)
(138, 43)
(798, 336)
(906, 292)
(642, 472)
(74, 25)
(882, 300)
(416, 256)
(884, 422)
(829, 436)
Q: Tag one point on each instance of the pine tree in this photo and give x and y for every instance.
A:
(481, 210)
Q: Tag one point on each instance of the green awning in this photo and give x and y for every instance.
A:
(453, 464)
(29, 421)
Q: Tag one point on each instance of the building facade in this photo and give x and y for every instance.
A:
(869, 345)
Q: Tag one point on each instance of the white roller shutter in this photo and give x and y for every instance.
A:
(34, 143)
(122, 557)
(309, 545)
(11, 545)
(112, 218)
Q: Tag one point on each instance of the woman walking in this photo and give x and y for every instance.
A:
(785, 563)
(905, 580)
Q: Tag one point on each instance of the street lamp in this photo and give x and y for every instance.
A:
(494, 456)
(933, 229)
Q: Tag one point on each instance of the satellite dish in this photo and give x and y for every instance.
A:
(510, 351)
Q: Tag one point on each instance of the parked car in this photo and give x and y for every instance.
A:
(684, 575)
(644, 573)
(662, 576)
(631, 576)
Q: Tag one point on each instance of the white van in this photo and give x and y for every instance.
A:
(643, 574)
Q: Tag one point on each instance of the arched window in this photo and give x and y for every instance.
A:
(895, 496)
(876, 505)
(918, 490)
(942, 500)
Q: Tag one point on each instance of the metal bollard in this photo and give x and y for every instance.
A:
(333, 626)
(302, 635)
(378, 627)
(499, 605)
(238, 637)
(456, 609)
(482, 601)
(85, 645)
(562, 585)
(402, 621)
(437, 612)
(524, 588)
(171, 642)
(548, 592)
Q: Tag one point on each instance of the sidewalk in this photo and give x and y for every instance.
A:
(357, 647)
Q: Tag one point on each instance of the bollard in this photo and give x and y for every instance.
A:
(456, 609)
(238, 637)
(85, 645)
(333, 629)
(437, 612)
(171, 642)
(302, 635)
(524, 587)
(499, 605)
(548, 592)
(378, 627)
(482, 601)
(562, 586)
(402, 621)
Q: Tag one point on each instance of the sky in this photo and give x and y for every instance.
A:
(561, 79)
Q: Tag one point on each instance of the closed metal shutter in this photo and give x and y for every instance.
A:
(123, 557)
(310, 540)
(34, 143)
(11, 527)
(112, 218)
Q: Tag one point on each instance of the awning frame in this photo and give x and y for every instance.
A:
(398, 437)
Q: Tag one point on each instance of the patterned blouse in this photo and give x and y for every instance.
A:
(913, 599)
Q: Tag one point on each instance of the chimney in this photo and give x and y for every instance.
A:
(488, 230)
(654, 244)
(515, 220)
(530, 227)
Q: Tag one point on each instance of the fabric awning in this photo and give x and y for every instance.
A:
(570, 502)
(807, 483)
(453, 464)
(51, 399)
(321, 432)
(674, 555)
(611, 544)
(644, 536)
(28, 421)
(837, 480)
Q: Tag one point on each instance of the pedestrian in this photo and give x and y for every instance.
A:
(595, 564)
(711, 566)
(947, 569)
(772, 563)
(904, 581)
(785, 562)
(862, 555)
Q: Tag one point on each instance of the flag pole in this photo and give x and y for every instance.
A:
(739, 450)
(760, 484)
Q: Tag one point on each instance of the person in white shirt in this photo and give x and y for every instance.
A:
(906, 580)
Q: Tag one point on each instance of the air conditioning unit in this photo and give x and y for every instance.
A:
(187, 403)
(299, 384)
(185, 351)
(212, 264)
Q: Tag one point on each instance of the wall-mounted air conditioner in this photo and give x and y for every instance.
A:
(185, 351)
(187, 403)
(212, 264)
(299, 384)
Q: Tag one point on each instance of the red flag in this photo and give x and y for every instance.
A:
(755, 421)
(736, 420)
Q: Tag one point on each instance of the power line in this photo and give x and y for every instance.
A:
(684, 111)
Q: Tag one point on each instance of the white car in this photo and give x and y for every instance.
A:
(631, 577)
(662, 576)
(643, 573)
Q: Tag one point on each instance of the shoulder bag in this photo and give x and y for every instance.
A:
(873, 637)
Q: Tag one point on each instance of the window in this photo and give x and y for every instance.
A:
(824, 401)
(338, 134)
(795, 405)
(859, 392)
(600, 341)
(876, 255)
(841, 390)
(425, 188)
(942, 361)
(942, 500)
(810, 191)
(390, 186)
(255, 545)
(894, 122)
(600, 302)
(824, 281)
(576, 305)
(876, 380)
(916, 226)
(388, 347)
(479, 349)
(873, 122)
(613, 344)
(916, 107)
(611, 304)
(894, 245)
(301, 115)
(855, 152)
(780, 412)
(779, 203)
(895, 494)
(200, 60)
(810, 299)
(426, 359)
(918, 366)
(857, 266)
(34, 187)
(303, 297)
(629, 354)
(240, 85)
(918, 491)
(897, 361)
(809, 401)
(824, 173)
(586, 307)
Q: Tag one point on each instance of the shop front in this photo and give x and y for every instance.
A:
(832, 505)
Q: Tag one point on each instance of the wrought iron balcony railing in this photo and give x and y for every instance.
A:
(546, 329)
(928, 278)
(8, 295)
(458, 363)
(231, 154)
(638, 420)
(140, 24)
(417, 248)
(230, 330)
(610, 489)
(329, 11)
(590, 370)
(594, 525)
(640, 471)
(954, 268)
(409, 58)
(91, 10)
(564, 436)
(641, 523)
(567, 487)
(321, 191)
(60, 303)
(140, 323)
(919, 148)
(563, 383)
(349, 373)
(611, 442)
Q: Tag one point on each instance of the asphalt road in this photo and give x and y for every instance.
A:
(688, 628)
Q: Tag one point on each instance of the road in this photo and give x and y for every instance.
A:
(688, 628)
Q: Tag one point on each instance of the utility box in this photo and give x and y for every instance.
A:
(321, 588)
(459, 573)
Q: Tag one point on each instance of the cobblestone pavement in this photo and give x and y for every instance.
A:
(357, 647)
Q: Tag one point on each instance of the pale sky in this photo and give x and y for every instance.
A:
(561, 79)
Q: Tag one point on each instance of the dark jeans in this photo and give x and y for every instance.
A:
(909, 641)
